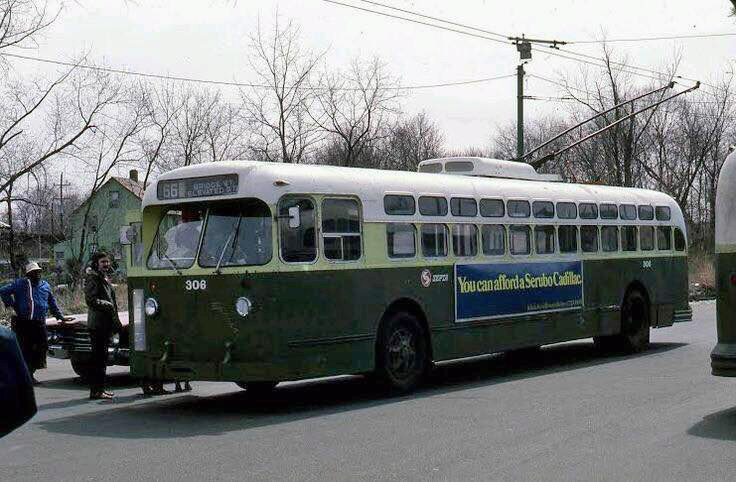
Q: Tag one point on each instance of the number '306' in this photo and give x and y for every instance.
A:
(195, 284)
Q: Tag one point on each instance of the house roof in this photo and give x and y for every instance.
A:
(133, 186)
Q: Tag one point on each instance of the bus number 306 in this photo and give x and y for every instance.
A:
(195, 285)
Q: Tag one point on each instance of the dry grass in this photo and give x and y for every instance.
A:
(702, 269)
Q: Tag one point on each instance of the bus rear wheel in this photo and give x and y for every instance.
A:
(258, 388)
(635, 326)
(402, 357)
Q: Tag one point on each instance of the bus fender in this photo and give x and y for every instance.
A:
(409, 305)
(638, 285)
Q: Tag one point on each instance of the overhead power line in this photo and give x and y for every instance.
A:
(652, 39)
(230, 84)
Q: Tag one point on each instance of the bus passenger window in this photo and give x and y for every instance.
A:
(679, 240)
(646, 213)
(568, 238)
(588, 211)
(397, 204)
(341, 229)
(519, 239)
(567, 210)
(494, 239)
(628, 238)
(664, 238)
(401, 240)
(544, 239)
(518, 209)
(464, 239)
(589, 239)
(609, 238)
(646, 237)
(460, 206)
(663, 213)
(491, 208)
(543, 209)
(434, 240)
(609, 211)
(627, 211)
(298, 243)
(432, 206)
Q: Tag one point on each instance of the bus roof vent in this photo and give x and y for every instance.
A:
(483, 167)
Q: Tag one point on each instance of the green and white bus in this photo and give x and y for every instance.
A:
(262, 272)
(723, 357)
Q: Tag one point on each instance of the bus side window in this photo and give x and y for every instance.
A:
(434, 240)
(401, 240)
(589, 239)
(628, 238)
(544, 239)
(465, 239)
(298, 244)
(679, 240)
(609, 238)
(341, 229)
(646, 237)
(519, 239)
(568, 238)
(494, 239)
(664, 238)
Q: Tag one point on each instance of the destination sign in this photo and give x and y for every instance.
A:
(223, 185)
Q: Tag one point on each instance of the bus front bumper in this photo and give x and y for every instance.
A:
(723, 360)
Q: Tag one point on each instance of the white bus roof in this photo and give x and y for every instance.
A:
(269, 181)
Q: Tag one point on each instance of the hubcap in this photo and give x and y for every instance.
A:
(402, 353)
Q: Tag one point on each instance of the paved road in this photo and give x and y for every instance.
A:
(571, 414)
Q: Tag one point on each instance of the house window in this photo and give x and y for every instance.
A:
(114, 199)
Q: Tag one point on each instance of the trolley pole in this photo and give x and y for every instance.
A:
(520, 111)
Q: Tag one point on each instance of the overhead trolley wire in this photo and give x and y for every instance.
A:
(651, 39)
(230, 84)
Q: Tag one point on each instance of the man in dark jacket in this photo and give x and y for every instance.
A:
(17, 402)
(102, 321)
(31, 298)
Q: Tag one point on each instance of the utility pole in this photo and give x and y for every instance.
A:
(524, 47)
(61, 202)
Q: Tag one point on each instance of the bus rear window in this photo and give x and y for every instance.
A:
(518, 209)
(237, 234)
(567, 210)
(679, 240)
(177, 238)
(491, 208)
(609, 238)
(588, 211)
(664, 238)
(609, 211)
(628, 238)
(646, 213)
(543, 209)
(627, 211)
(663, 213)
(646, 238)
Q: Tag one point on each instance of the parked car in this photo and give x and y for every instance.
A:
(71, 341)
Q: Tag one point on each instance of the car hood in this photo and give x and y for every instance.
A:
(81, 319)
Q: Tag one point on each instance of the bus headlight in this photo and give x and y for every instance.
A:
(243, 306)
(151, 306)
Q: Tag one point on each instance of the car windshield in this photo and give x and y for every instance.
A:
(177, 238)
(237, 234)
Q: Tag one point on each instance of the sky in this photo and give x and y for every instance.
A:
(208, 39)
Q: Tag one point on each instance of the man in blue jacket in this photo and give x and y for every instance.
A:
(31, 298)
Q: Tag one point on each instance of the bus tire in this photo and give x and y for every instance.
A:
(402, 356)
(258, 388)
(635, 322)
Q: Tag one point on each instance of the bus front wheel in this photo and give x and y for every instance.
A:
(402, 358)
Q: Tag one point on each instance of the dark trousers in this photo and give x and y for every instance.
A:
(98, 362)
(33, 341)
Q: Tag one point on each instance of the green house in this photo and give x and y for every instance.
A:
(108, 213)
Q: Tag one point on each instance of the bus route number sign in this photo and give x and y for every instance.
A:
(223, 185)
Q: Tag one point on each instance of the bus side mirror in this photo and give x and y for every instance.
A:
(294, 217)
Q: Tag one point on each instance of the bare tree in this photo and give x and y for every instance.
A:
(278, 114)
(411, 141)
(357, 107)
(21, 22)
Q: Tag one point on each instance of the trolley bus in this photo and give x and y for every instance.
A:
(723, 357)
(263, 272)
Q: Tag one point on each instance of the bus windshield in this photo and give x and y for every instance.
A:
(177, 238)
(237, 234)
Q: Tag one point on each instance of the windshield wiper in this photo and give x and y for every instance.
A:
(227, 243)
(173, 265)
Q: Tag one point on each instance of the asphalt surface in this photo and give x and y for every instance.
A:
(568, 414)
